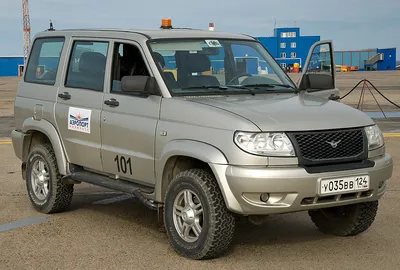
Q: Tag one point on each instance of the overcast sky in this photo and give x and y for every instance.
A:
(351, 24)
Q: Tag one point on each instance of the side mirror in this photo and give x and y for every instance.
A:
(139, 85)
(319, 71)
(317, 81)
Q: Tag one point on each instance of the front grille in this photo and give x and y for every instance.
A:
(318, 147)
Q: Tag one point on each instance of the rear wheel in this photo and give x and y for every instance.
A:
(198, 224)
(45, 190)
(345, 220)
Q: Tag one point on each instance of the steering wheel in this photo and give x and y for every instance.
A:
(238, 76)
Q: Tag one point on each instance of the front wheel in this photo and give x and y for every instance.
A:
(198, 224)
(348, 220)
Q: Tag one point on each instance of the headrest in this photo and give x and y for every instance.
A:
(198, 63)
(92, 62)
(125, 62)
(158, 58)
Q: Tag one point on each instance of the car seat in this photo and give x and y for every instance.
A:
(197, 63)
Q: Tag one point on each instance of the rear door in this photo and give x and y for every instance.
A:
(80, 99)
(319, 73)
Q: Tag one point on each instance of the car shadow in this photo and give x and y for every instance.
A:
(277, 229)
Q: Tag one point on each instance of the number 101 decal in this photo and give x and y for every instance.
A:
(123, 164)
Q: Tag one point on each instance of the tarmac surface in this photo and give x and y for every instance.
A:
(107, 230)
(123, 234)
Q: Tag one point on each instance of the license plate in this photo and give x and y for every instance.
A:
(344, 185)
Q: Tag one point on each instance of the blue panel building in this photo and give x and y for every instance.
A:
(389, 59)
(288, 47)
(11, 65)
(366, 60)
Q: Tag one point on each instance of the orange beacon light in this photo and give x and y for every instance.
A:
(166, 23)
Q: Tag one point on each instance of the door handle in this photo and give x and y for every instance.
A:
(112, 102)
(64, 95)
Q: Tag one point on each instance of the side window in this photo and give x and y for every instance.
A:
(44, 60)
(87, 65)
(127, 61)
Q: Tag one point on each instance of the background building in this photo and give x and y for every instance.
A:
(291, 49)
(366, 60)
(11, 65)
(288, 47)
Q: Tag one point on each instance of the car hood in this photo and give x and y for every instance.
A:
(289, 112)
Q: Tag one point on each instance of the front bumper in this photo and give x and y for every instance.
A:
(293, 189)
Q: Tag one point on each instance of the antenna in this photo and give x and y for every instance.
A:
(51, 26)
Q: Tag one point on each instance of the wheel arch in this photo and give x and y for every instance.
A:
(41, 131)
(180, 155)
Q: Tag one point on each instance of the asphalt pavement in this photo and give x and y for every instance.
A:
(107, 230)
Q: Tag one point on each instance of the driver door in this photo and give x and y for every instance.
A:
(319, 73)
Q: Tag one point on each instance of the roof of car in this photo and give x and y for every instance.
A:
(167, 33)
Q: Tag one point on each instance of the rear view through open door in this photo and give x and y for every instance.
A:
(319, 73)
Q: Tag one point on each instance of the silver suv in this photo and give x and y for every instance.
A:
(204, 127)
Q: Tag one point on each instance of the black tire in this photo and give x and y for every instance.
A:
(59, 195)
(218, 223)
(346, 220)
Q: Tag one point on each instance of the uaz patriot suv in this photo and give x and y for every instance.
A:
(202, 126)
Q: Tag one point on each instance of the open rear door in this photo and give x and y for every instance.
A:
(319, 73)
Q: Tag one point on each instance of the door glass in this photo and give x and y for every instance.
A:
(87, 65)
(321, 61)
(127, 61)
(319, 72)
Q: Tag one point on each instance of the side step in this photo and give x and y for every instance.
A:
(114, 184)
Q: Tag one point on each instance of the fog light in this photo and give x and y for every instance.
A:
(381, 184)
(264, 197)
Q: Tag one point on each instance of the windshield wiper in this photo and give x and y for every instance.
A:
(270, 85)
(206, 87)
(222, 87)
(243, 87)
(256, 86)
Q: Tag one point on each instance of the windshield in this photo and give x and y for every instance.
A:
(201, 66)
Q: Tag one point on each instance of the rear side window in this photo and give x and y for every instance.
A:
(44, 60)
(87, 65)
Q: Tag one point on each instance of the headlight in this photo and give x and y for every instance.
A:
(266, 144)
(375, 137)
